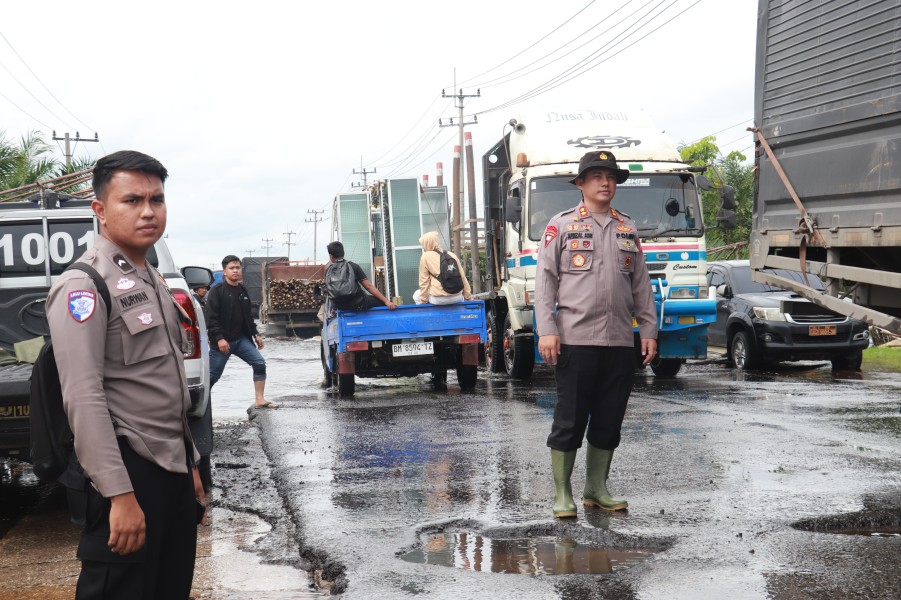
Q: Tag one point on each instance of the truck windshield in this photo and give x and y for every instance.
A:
(659, 204)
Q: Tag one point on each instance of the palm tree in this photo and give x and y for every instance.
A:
(30, 162)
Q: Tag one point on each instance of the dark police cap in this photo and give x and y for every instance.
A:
(600, 159)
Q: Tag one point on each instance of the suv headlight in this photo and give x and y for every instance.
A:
(769, 314)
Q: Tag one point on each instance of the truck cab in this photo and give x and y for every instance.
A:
(527, 181)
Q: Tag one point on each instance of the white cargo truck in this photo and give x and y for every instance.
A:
(526, 181)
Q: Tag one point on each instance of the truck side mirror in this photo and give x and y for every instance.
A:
(703, 183)
(197, 276)
(513, 209)
(672, 207)
(725, 218)
(728, 197)
(724, 290)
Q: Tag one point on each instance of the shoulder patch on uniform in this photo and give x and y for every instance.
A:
(81, 304)
(120, 261)
(549, 234)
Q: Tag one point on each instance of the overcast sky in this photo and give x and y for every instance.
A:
(262, 110)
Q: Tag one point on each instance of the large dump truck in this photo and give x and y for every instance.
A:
(292, 295)
(828, 122)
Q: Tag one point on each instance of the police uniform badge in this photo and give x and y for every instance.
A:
(628, 262)
(623, 228)
(578, 260)
(145, 318)
(583, 212)
(120, 261)
(125, 283)
(82, 304)
(549, 234)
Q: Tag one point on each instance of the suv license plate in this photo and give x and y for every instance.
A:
(412, 349)
(821, 330)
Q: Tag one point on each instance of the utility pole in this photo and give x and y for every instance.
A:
(78, 138)
(315, 220)
(289, 235)
(267, 244)
(363, 172)
(459, 98)
(249, 253)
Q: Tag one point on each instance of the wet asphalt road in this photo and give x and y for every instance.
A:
(722, 471)
(737, 486)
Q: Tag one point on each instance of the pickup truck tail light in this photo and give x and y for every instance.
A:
(354, 346)
(472, 338)
(192, 333)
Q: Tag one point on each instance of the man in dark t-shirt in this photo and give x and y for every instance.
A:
(361, 300)
(232, 329)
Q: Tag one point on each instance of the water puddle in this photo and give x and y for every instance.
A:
(884, 523)
(545, 555)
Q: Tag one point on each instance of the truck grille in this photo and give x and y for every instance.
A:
(656, 266)
(816, 319)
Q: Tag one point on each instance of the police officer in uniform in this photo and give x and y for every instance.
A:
(591, 279)
(125, 393)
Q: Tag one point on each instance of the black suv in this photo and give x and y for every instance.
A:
(759, 323)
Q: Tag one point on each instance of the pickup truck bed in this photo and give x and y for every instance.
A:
(405, 342)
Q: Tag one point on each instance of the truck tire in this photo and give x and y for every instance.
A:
(666, 368)
(326, 374)
(494, 347)
(346, 385)
(439, 379)
(741, 353)
(519, 353)
(467, 376)
(848, 362)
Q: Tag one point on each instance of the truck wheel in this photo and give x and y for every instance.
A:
(666, 368)
(439, 379)
(467, 375)
(494, 347)
(848, 362)
(346, 385)
(519, 353)
(326, 374)
(741, 353)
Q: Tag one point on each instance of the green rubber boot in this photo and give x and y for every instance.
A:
(562, 462)
(597, 467)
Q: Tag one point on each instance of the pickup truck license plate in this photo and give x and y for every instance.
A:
(412, 349)
(821, 330)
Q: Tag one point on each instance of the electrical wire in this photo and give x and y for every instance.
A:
(22, 85)
(24, 111)
(30, 70)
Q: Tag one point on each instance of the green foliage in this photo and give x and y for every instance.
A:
(726, 170)
(32, 160)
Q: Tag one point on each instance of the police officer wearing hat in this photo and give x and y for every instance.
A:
(591, 280)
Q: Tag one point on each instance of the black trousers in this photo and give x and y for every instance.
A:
(593, 388)
(164, 567)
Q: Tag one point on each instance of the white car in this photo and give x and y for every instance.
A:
(36, 246)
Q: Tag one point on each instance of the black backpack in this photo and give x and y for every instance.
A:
(52, 442)
(449, 274)
(341, 282)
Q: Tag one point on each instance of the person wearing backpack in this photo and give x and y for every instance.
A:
(123, 386)
(441, 277)
(345, 283)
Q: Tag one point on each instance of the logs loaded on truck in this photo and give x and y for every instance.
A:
(292, 294)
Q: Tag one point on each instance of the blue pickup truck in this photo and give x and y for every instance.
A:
(405, 342)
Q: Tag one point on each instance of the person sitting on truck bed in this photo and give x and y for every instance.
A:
(431, 290)
(360, 300)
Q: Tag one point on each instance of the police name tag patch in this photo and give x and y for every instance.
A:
(549, 234)
(81, 305)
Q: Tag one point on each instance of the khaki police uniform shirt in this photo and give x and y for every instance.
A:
(122, 376)
(591, 268)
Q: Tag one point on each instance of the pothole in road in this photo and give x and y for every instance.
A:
(873, 523)
(542, 555)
